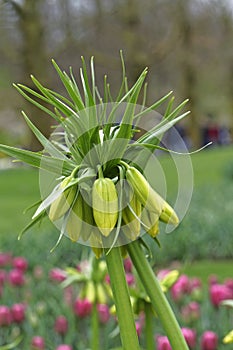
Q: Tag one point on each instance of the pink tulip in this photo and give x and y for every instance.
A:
(107, 279)
(61, 325)
(209, 341)
(16, 278)
(20, 263)
(163, 343)
(128, 265)
(138, 328)
(18, 312)
(57, 275)
(189, 336)
(5, 316)
(191, 311)
(180, 288)
(38, 343)
(229, 284)
(104, 314)
(82, 307)
(130, 278)
(218, 293)
(184, 282)
(195, 283)
(64, 347)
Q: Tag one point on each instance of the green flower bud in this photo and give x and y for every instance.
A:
(101, 296)
(151, 222)
(88, 219)
(105, 205)
(75, 220)
(169, 280)
(90, 292)
(228, 339)
(150, 199)
(168, 215)
(132, 224)
(144, 192)
(62, 204)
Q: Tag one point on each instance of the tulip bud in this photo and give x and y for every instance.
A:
(189, 336)
(18, 313)
(82, 307)
(5, 316)
(38, 343)
(104, 313)
(218, 293)
(209, 341)
(61, 325)
(57, 275)
(20, 263)
(163, 343)
(64, 347)
(16, 278)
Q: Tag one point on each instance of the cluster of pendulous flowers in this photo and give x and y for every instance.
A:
(140, 208)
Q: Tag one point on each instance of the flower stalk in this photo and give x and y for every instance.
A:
(157, 297)
(95, 337)
(120, 292)
(149, 334)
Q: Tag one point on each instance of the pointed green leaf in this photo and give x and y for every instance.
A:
(20, 89)
(48, 146)
(38, 160)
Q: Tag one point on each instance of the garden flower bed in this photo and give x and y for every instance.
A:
(53, 309)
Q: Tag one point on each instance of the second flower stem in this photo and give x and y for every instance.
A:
(149, 335)
(95, 345)
(157, 297)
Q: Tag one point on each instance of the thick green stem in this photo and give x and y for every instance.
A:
(120, 292)
(157, 297)
(149, 332)
(95, 345)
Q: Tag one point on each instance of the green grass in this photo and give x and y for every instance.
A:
(203, 269)
(209, 166)
(19, 189)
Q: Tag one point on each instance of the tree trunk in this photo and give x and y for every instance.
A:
(188, 71)
(34, 59)
(135, 55)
